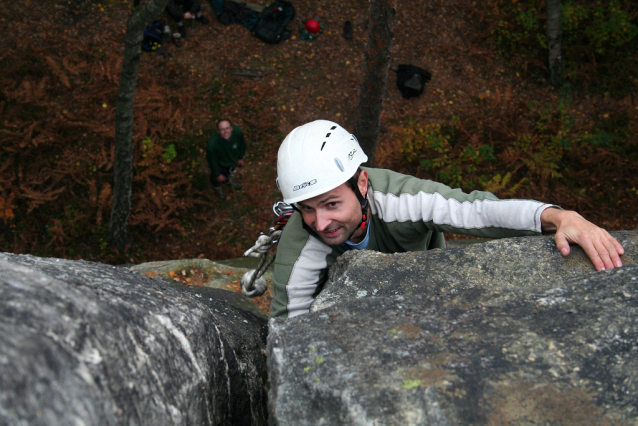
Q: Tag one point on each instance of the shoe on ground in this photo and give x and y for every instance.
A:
(219, 192)
(182, 31)
(204, 20)
(347, 30)
(235, 185)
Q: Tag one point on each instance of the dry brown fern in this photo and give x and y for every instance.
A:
(58, 72)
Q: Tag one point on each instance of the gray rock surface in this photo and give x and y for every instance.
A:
(506, 263)
(506, 332)
(84, 343)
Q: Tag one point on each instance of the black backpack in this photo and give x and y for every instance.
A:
(152, 37)
(271, 26)
(411, 80)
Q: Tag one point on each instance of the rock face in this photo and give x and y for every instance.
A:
(505, 332)
(84, 343)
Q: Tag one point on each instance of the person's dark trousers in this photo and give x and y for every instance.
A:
(226, 171)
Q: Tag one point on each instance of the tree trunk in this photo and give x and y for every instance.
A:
(123, 162)
(556, 64)
(375, 75)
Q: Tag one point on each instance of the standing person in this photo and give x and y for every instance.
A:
(342, 206)
(225, 151)
(184, 9)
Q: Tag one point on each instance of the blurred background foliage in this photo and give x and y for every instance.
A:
(488, 120)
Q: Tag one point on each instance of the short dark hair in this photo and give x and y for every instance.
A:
(224, 119)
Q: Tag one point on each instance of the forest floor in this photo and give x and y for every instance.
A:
(185, 90)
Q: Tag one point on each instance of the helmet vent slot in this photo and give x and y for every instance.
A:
(333, 127)
(338, 163)
(328, 135)
(322, 145)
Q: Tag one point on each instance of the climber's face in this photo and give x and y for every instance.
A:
(336, 215)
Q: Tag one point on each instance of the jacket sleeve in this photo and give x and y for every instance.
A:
(211, 159)
(301, 266)
(401, 198)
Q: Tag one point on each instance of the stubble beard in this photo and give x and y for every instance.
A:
(346, 231)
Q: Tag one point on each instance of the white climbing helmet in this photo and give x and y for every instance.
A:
(316, 158)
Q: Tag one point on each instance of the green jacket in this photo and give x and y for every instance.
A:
(406, 214)
(225, 153)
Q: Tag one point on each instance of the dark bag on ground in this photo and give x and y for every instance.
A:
(411, 80)
(271, 26)
(152, 36)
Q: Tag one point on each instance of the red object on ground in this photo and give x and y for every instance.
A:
(312, 26)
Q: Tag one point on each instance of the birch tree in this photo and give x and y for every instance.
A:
(556, 64)
(375, 74)
(123, 162)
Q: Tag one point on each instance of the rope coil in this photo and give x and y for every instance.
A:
(252, 283)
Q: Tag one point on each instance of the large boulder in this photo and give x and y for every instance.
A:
(505, 332)
(84, 343)
(498, 264)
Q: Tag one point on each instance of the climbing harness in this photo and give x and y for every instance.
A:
(252, 283)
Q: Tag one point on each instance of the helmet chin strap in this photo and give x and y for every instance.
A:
(363, 201)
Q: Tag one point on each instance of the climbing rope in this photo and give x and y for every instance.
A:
(252, 282)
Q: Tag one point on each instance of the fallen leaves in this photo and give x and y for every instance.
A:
(190, 277)
(52, 54)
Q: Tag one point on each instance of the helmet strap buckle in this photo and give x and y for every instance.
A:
(364, 219)
(362, 200)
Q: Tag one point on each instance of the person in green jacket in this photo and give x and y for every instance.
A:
(341, 206)
(225, 152)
